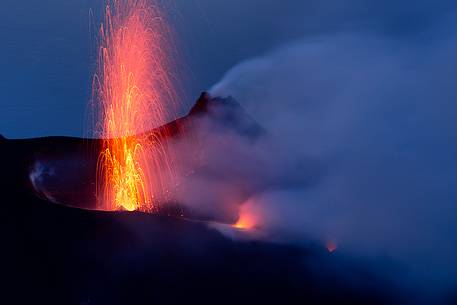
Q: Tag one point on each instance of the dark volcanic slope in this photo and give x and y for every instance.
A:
(67, 165)
(53, 254)
(58, 255)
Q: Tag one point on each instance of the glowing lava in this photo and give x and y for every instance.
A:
(245, 222)
(133, 93)
(331, 246)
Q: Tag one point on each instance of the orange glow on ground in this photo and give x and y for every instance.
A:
(132, 94)
(245, 222)
(331, 246)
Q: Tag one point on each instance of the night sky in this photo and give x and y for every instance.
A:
(47, 48)
(358, 99)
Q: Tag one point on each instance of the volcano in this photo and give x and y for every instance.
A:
(57, 249)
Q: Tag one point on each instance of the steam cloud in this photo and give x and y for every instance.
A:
(361, 149)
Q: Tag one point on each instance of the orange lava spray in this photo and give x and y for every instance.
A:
(133, 93)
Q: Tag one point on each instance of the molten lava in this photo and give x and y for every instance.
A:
(245, 222)
(133, 93)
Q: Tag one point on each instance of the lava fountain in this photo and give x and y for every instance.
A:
(133, 92)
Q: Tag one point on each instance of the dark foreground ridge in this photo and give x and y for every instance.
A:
(53, 254)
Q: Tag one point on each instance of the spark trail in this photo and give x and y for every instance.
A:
(133, 93)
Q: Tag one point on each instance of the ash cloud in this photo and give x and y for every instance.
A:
(364, 126)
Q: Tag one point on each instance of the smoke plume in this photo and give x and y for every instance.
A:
(360, 150)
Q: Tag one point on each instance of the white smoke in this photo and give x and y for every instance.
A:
(379, 118)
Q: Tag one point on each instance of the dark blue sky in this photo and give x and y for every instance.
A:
(47, 52)
(363, 91)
